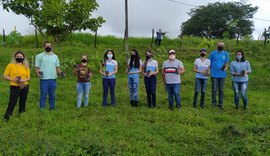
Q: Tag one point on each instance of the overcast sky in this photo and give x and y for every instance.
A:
(144, 15)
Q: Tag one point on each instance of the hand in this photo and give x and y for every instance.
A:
(205, 72)
(149, 74)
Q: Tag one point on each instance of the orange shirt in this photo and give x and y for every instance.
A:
(14, 70)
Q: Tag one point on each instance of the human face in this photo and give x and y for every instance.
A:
(172, 56)
(19, 56)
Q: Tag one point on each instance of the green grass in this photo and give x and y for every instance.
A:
(139, 131)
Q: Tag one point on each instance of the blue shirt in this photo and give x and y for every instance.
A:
(109, 66)
(152, 65)
(159, 35)
(133, 69)
(218, 59)
(237, 67)
(47, 64)
(202, 65)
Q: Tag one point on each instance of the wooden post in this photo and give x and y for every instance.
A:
(4, 38)
(265, 37)
(153, 31)
(36, 45)
(95, 39)
(126, 29)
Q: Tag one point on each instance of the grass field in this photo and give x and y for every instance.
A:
(124, 130)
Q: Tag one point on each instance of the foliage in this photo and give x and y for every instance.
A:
(57, 18)
(14, 39)
(218, 20)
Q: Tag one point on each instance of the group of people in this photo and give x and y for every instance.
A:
(47, 67)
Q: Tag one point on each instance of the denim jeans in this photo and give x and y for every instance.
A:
(83, 89)
(106, 84)
(47, 87)
(240, 87)
(200, 85)
(173, 91)
(218, 84)
(133, 85)
(150, 86)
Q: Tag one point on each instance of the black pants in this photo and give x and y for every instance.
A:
(150, 85)
(15, 94)
(158, 42)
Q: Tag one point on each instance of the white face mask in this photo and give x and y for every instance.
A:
(109, 56)
(172, 57)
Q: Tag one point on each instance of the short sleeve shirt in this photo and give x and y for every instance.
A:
(83, 74)
(171, 71)
(202, 65)
(47, 64)
(109, 67)
(152, 65)
(237, 67)
(134, 70)
(15, 70)
(218, 59)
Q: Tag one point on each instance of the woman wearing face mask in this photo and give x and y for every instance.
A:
(240, 68)
(150, 70)
(108, 70)
(18, 73)
(134, 67)
(171, 71)
(84, 75)
(201, 68)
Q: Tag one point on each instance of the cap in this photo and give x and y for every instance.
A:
(203, 49)
(172, 51)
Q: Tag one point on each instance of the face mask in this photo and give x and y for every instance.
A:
(84, 61)
(48, 49)
(109, 56)
(202, 55)
(19, 60)
(220, 48)
(238, 57)
(148, 57)
(172, 57)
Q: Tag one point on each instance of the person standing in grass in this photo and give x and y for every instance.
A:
(219, 64)
(201, 68)
(47, 66)
(84, 75)
(108, 70)
(134, 67)
(18, 73)
(240, 68)
(150, 70)
(171, 71)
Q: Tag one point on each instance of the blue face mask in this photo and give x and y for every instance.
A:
(109, 56)
(238, 57)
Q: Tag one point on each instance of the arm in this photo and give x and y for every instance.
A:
(163, 75)
(58, 70)
(114, 72)
(181, 70)
(9, 78)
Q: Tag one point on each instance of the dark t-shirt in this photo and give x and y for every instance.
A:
(83, 73)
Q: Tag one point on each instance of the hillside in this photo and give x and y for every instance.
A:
(123, 130)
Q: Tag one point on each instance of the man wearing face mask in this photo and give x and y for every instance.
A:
(47, 66)
(171, 70)
(219, 64)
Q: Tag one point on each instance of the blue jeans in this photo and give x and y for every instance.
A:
(200, 85)
(106, 84)
(173, 91)
(218, 84)
(83, 88)
(47, 87)
(240, 87)
(133, 84)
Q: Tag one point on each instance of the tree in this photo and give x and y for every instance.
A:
(218, 20)
(57, 18)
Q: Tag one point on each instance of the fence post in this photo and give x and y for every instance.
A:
(95, 40)
(153, 31)
(36, 45)
(4, 38)
(265, 37)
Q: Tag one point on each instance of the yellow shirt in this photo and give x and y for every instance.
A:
(14, 70)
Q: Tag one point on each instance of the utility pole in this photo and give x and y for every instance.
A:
(126, 29)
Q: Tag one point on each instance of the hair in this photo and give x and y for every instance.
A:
(25, 61)
(46, 43)
(135, 61)
(243, 56)
(146, 60)
(105, 56)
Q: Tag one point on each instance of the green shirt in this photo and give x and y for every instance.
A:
(47, 64)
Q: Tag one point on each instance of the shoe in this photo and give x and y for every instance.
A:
(132, 103)
(170, 108)
(136, 103)
(178, 107)
(236, 107)
(221, 107)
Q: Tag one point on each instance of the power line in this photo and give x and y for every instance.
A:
(259, 19)
(183, 3)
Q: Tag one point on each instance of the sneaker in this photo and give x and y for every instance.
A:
(178, 107)
(221, 107)
(170, 108)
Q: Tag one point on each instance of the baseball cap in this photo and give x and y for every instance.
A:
(172, 51)
(203, 49)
